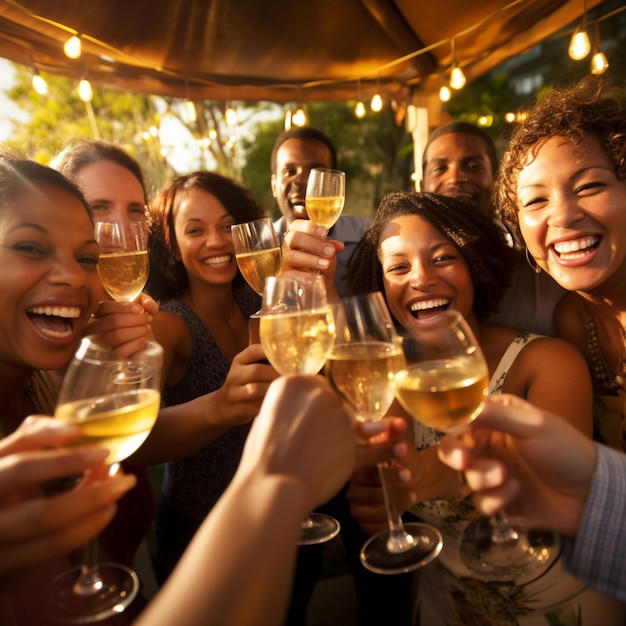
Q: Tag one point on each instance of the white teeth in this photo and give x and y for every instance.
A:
(566, 247)
(67, 312)
(429, 304)
(56, 333)
(218, 259)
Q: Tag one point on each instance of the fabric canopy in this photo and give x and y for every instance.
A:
(277, 50)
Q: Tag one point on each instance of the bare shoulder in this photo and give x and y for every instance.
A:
(570, 319)
(169, 329)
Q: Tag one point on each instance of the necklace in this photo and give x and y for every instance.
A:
(599, 368)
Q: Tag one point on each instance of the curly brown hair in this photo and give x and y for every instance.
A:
(168, 277)
(590, 108)
(481, 242)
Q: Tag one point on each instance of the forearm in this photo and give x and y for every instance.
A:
(435, 480)
(239, 567)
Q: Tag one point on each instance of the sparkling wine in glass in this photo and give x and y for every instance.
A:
(325, 196)
(297, 331)
(116, 411)
(444, 386)
(361, 366)
(257, 251)
(123, 263)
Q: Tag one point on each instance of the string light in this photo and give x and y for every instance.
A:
(190, 110)
(230, 115)
(599, 62)
(377, 100)
(73, 47)
(579, 45)
(85, 90)
(299, 117)
(39, 83)
(457, 77)
(359, 110)
(445, 94)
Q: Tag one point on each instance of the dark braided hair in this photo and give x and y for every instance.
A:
(481, 242)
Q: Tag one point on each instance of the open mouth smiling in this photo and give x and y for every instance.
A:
(54, 321)
(426, 308)
(216, 260)
(575, 249)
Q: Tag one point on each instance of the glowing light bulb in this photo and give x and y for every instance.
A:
(377, 103)
(85, 91)
(73, 47)
(359, 110)
(190, 109)
(230, 116)
(457, 78)
(299, 117)
(445, 94)
(579, 46)
(39, 84)
(599, 63)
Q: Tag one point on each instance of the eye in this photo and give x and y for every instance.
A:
(590, 186)
(139, 211)
(89, 261)
(29, 248)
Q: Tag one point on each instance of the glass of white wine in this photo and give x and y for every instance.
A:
(116, 412)
(325, 196)
(257, 251)
(361, 366)
(444, 386)
(123, 264)
(297, 331)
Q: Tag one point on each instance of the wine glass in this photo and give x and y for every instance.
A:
(257, 251)
(361, 366)
(325, 196)
(117, 412)
(444, 386)
(123, 263)
(297, 331)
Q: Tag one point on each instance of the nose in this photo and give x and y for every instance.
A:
(216, 237)
(456, 173)
(421, 277)
(564, 211)
(69, 272)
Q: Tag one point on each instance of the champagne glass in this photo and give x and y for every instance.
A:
(325, 196)
(117, 412)
(297, 331)
(444, 386)
(123, 263)
(257, 251)
(361, 366)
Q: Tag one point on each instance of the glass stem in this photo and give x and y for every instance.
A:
(501, 531)
(89, 582)
(399, 540)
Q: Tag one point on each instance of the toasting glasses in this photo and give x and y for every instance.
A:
(297, 331)
(116, 411)
(361, 366)
(444, 386)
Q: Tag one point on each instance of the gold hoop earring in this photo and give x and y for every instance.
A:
(533, 264)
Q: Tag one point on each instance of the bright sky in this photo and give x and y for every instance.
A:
(8, 109)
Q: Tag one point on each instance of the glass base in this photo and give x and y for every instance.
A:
(318, 528)
(518, 561)
(424, 545)
(116, 588)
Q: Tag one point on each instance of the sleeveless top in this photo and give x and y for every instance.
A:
(192, 485)
(448, 594)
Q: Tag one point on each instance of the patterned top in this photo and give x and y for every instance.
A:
(192, 485)
(450, 595)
